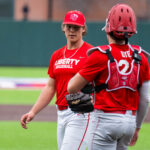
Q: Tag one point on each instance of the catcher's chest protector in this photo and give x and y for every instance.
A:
(116, 79)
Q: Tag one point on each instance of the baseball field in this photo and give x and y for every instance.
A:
(41, 132)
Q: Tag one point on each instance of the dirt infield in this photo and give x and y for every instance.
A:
(14, 113)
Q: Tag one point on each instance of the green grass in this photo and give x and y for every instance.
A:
(143, 142)
(18, 96)
(15, 96)
(42, 136)
(38, 136)
(36, 72)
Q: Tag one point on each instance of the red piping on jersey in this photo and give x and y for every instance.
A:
(85, 131)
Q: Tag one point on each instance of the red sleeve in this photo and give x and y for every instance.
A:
(51, 65)
(144, 70)
(94, 64)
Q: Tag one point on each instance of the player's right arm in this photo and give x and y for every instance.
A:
(43, 100)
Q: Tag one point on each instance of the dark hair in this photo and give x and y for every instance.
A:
(116, 38)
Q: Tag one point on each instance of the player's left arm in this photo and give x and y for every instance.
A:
(144, 99)
(142, 110)
(143, 104)
(144, 79)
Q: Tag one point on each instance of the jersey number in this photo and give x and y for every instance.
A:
(125, 64)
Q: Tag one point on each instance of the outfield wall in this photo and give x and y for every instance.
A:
(32, 43)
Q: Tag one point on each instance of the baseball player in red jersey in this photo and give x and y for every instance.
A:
(121, 75)
(72, 128)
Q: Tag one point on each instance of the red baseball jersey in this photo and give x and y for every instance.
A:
(64, 64)
(96, 68)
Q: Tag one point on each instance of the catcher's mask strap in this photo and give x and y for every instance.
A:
(109, 55)
(136, 56)
(126, 35)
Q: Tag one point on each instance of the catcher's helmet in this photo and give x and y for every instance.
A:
(74, 17)
(121, 21)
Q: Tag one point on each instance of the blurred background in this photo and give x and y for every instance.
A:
(30, 30)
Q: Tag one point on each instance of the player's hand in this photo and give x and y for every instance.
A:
(135, 137)
(26, 118)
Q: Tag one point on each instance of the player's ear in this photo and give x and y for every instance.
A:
(63, 27)
(84, 30)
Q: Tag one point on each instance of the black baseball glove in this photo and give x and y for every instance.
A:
(80, 102)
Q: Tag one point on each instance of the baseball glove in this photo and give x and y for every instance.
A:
(80, 102)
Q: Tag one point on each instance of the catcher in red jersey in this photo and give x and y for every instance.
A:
(72, 128)
(121, 74)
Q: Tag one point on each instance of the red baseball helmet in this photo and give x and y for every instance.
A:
(74, 17)
(121, 19)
